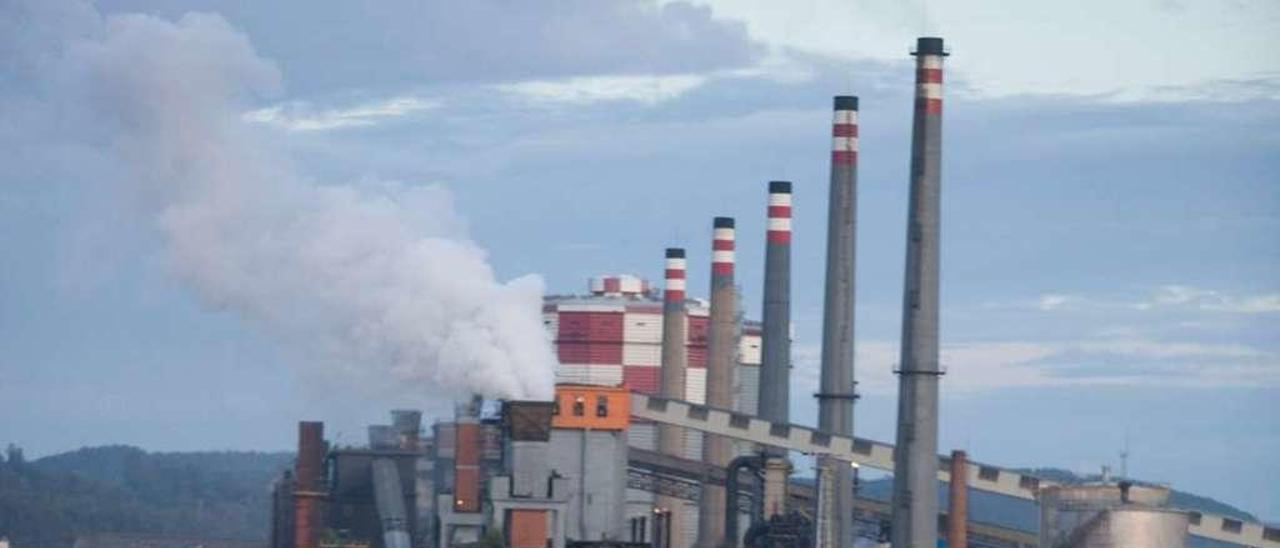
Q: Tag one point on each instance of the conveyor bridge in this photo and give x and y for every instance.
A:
(878, 455)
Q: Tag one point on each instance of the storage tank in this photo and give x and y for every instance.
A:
(1100, 515)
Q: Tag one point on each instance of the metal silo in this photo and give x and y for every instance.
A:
(1104, 515)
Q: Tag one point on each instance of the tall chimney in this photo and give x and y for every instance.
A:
(721, 357)
(836, 393)
(775, 374)
(466, 461)
(309, 494)
(674, 353)
(915, 460)
(958, 502)
(674, 362)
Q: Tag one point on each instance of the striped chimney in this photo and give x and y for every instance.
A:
(674, 353)
(672, 374)
(775, 375)
(836, 390)
(915, 495)
(721, 357)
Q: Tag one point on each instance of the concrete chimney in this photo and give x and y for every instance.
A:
(674, 353)
(915, 460)
(775, 374)
(836, 392)
(958, 501)
(722, 353)
(671, 439)
(309, 494)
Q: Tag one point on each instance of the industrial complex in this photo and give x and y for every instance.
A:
(670, 427)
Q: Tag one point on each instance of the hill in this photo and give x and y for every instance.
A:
(46, 502)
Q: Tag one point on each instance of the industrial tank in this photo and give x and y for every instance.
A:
(1102, 515)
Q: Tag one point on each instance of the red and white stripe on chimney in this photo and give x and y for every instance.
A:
(779, 224)
(929, 83)
(675, 275)
(844, 136)
(722, 246)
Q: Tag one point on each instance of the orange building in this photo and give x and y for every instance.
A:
(591, 407)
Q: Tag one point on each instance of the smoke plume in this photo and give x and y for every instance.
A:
(378, 281)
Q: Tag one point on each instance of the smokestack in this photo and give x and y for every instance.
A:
(915, 461)
(721, 355)
(674, 353)
(958, 505)
(466, 461)
(674, 362)
(836, 395)
(775, 375)
(309, 471)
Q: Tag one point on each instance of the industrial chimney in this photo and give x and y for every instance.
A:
(466, 460)
(915, 461)
(671, 440)
(775, 374)
(958, 501)
(836, 393)
(309, 494)
(722, 355)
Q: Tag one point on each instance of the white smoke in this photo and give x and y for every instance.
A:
(380, 278)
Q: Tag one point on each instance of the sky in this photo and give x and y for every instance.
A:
(179, 174)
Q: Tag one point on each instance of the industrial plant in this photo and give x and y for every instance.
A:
(669, 427)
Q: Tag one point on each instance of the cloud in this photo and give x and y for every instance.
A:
(1162, 298)
(304, 116)
(648, 89)
(651, 89)
(1000, 49)
(993, 365)
(1210, 300)
(394, 44)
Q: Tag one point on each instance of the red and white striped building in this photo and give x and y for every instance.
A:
(613, 335)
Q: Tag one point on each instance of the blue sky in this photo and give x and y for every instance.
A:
(1111, 204)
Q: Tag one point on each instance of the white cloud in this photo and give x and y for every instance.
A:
(993, 365)
(304, 116)
(651, 89)
(1053, 301)
(1153, 349)
(647, 89)
(1204, 299)
(1162, 298)
(1117, 51)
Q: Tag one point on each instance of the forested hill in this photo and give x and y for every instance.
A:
(46, 502)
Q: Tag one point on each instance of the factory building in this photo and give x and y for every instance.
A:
(613, 335)
(540, 474)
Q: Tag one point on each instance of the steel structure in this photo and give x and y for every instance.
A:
(654, 472)
(878, 455)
